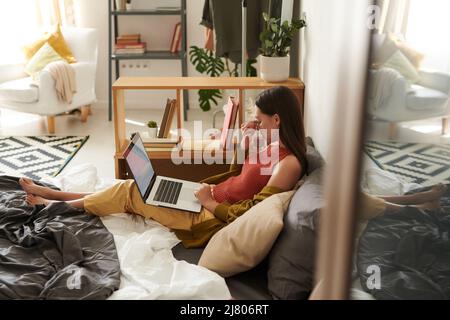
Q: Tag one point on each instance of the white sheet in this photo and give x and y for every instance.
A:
(149, 270)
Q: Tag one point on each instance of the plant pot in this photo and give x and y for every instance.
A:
(129, 7)
(152, 132)
(275, 69)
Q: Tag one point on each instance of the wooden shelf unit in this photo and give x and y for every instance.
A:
(113, 26)
(180, 84)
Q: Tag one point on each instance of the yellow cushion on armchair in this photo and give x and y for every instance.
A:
(56, 40)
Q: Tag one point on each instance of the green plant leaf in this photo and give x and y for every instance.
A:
(207, 97)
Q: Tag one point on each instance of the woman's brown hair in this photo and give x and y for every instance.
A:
(283, 102)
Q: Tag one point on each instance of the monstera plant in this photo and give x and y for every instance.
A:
(206, 62)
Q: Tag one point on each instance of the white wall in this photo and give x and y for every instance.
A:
(331, 30)
(156, 31)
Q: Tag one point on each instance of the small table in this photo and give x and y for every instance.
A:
(162, 159)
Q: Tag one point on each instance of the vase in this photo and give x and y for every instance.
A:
(275, 69)
(121, 4)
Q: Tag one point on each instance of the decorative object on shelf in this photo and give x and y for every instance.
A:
(205, 61)
(276, 40)
(152, 129)
(128, 5)
(121, 4)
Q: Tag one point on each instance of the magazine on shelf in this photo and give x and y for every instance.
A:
(224, 139)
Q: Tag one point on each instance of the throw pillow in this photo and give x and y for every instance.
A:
(383, 48)
(414, 56)
(291, 260)
(243, 244)
(45, 55)
(56, 40)
(399, 62)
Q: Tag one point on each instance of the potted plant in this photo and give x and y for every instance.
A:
(152, 129)
(276, 40)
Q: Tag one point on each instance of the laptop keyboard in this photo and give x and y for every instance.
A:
(168, 191)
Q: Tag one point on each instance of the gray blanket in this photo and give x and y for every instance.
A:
(56, 252)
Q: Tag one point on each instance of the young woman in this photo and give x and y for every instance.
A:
(277, 115)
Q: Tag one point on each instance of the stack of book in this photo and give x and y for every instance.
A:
(130, 44)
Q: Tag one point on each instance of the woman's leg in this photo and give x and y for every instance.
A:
(125, 197)
(48, 193)
(36, 200)
(418, 198)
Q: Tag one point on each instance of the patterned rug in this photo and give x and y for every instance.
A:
(425, 164)
(37, 157)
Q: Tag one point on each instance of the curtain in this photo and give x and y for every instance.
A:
(22, 21)
(394, 16)
(51, 12)
(427, 32)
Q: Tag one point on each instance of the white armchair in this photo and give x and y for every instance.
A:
(392, 99)
(429, 98)
(17, 91)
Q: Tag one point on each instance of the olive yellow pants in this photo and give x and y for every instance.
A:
(125, 197)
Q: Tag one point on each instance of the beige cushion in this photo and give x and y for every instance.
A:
(414, 56)
(45, 55)
(399, 62)
(244, 243)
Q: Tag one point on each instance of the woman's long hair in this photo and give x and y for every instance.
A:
(282, 101)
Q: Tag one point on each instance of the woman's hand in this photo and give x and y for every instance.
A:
(205, 197)
(248, 129)
(250, 125)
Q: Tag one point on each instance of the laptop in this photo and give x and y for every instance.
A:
(158, 190)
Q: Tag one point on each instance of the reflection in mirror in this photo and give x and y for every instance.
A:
(402, 244)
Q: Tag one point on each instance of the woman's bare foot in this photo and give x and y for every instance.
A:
(36, 200)
(31, 188)
(433, 195)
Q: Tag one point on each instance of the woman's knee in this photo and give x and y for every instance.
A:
(111, 200)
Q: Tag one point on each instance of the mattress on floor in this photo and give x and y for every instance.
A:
(250, 285)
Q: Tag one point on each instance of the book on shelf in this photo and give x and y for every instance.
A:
(176, 38)
(139, 45)
(168, 8)
(135, 37)
(167, 119)
(130, 51)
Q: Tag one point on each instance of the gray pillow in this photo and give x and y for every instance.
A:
(291, 260)
(315, 160)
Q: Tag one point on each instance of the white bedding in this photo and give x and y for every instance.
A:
(149, 270)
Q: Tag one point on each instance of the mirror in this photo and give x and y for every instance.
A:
(401, 245)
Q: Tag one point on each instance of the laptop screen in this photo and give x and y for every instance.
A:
(139, 164)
